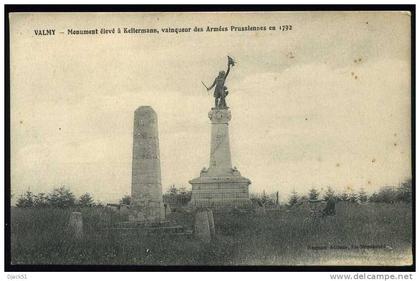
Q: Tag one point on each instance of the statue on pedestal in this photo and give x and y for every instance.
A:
(220, 90)
(220, 185)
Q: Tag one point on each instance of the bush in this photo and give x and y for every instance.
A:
(262, 199)
(126, 200)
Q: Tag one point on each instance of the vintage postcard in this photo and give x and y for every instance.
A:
(211, 138)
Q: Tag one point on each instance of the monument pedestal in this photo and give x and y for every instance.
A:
(217, 192)
(220, 185)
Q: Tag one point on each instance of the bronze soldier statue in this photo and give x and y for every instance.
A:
(220, 90)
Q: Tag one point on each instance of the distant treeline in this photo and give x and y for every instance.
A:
(388, 194)
(62, 197)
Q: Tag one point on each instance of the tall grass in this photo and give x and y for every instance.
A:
(40, 236)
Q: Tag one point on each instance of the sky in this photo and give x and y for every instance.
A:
(324, 104)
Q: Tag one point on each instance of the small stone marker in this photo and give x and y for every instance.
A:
(211, 222)
(202, 227)
(167, 209)
(76, 224)
(124, 210)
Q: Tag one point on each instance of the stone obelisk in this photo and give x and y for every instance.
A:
(146, 186)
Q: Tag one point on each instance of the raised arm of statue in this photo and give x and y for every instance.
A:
(231, 62)
(227, 71)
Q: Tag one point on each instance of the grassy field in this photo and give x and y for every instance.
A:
(372, 234)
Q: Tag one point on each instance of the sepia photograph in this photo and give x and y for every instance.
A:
(211, 139)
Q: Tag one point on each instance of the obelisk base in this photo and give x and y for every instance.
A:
(148, 212)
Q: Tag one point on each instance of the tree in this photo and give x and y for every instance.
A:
(293, 198)
(344, 196)
(184, 196)
(173, 190)
(374, 198)
(171, 195)
(86, 200)
(353, 197)
(267, 199)
(313, 194)
(41, 200)
(329, 194)
(387, 194)
(26, 200)
(362, 196)
(126, 200)
(99, 204)
(61, 197)
(391, 194)
(177, 196)
(405, 191)
(264, 198)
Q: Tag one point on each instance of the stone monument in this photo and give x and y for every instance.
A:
(146, 186)
(220, 185)
(76, 225)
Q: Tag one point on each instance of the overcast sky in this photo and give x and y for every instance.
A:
(325, 104)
